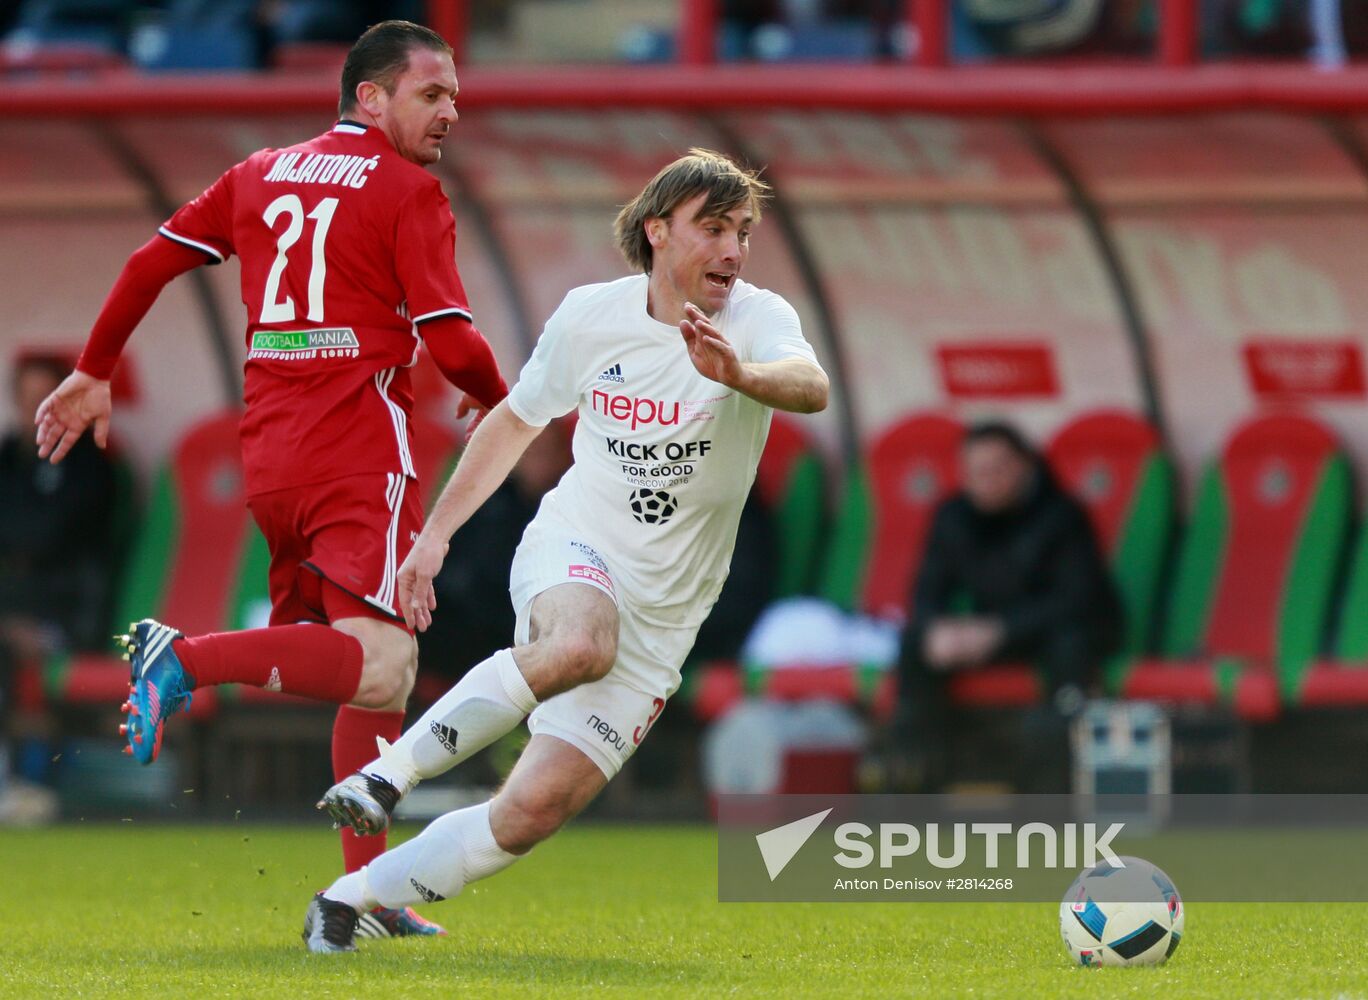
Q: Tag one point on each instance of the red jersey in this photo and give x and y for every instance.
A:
(346, 247)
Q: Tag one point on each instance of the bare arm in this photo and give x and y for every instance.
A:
(494, 449)
(792, 384)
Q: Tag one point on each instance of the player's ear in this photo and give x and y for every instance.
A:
(371, 97)
(656, 229)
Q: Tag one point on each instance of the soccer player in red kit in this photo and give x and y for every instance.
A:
(347, 250)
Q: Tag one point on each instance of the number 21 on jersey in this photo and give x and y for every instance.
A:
(276, 308)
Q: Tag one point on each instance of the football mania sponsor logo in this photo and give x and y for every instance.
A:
(446, 735)
(290, 345)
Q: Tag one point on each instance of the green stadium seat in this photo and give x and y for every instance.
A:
(886, 511)
(792, 485)
(1255, 572)
(1342, 681)
(880, 528)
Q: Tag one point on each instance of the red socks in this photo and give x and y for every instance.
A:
(314, 661)
(353, 747)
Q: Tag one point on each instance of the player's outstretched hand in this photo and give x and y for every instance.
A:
(81, 400)
(417, 599)
(710, 352)
(470, 405)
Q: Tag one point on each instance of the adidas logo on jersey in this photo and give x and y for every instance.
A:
(613, 374)
(446, 735)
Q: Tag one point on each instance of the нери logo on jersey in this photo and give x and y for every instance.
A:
(652, 506)
(613, 374)
(641, 411)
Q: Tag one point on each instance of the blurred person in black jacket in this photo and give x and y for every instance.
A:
(56, 534)
(1012, 571)
(56, 552)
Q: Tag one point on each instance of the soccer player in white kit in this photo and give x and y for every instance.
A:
(674, 372)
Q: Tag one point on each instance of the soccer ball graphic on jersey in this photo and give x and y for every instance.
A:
(1121, 916)
(652, 506)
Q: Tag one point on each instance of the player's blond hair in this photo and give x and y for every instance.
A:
(727, 184)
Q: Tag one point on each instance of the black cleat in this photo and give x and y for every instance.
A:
(362, 802)
(329, 925)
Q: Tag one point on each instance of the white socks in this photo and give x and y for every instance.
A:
(486, 703)
(454, 850)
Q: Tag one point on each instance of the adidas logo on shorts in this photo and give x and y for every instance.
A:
(613, 374)
(446, 735)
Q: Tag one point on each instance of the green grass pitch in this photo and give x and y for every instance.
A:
(137, 909)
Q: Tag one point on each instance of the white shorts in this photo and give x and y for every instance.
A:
(608, 718)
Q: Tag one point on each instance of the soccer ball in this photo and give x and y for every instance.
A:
(1121, 916)
(652, 506)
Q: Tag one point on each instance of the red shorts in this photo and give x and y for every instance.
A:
(351, 533)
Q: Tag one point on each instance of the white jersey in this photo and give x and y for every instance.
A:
(664, 457)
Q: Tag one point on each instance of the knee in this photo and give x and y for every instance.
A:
(582, 657)
(388, 669)
(523, 819)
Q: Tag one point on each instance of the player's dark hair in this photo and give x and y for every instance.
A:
(727, 184)
(381, 55)
(1003, 433)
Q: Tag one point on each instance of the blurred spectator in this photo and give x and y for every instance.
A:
(1326, 31)
(193, 34)
(338, 21)
(474, 617)
(1012, 571)
(1026, 28)
(772, 30)
(1267, 27)
(56, 549)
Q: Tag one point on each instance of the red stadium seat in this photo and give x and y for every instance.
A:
(1253, 583)
(890, 498)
